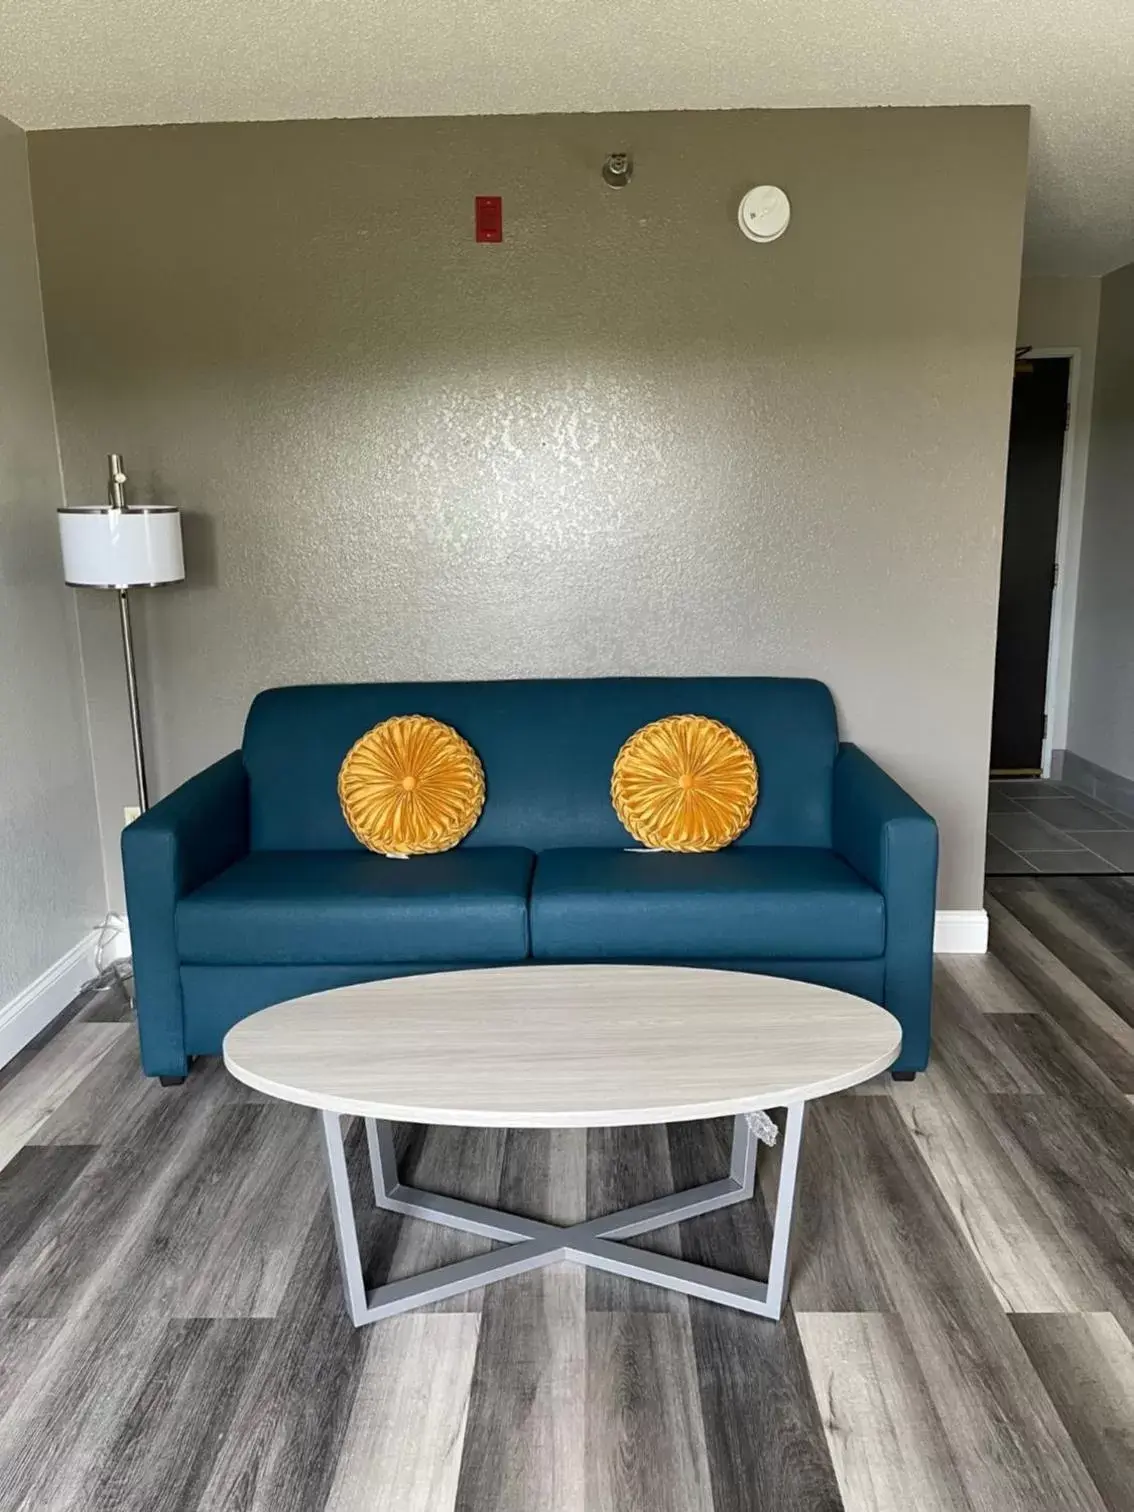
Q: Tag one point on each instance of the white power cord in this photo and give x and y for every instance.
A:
(112, 928)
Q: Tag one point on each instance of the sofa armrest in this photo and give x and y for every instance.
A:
(190, 836)
(892, 842)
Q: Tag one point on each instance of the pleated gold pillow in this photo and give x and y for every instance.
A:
(411, 786)
(686, 783)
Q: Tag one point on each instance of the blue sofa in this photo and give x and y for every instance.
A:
(245, 886)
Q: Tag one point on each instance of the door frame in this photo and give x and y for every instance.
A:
(1069, 530)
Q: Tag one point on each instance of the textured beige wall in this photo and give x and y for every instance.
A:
(1101, 726)
(626, 440)
(1064, 313)
(51, 883)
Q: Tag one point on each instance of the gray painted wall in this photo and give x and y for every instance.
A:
(1101, 727)
(51, 882)
(626, 440)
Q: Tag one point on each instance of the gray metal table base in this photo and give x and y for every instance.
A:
(532, 1243)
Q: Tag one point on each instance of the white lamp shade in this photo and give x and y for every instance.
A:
(121, 548)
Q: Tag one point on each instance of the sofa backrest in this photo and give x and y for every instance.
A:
(547, 749)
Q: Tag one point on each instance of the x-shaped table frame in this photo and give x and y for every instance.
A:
(532, 1243)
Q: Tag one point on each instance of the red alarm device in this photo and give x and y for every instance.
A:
(489, 218)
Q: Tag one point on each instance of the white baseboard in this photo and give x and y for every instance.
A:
(33, 1009)
(960, 931)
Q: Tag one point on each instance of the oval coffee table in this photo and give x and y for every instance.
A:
(524, 1047)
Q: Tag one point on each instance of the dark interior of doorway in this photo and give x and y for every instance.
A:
(1028, 563)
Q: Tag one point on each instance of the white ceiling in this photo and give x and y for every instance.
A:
(118, 62)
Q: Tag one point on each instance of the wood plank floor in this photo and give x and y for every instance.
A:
(172, 1333)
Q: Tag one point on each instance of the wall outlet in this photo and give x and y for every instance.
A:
(130, 813)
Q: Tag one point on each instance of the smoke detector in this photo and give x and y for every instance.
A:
(764, 213)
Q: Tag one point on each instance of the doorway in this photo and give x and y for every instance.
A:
(1037, 438)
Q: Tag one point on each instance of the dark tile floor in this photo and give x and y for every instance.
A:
(1045, 827)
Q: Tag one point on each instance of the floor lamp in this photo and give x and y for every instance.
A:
(115, 546)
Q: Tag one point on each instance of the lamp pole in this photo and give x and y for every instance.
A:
(116, 496)
(132, 688)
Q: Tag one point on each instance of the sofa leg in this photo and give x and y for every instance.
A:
(177, 1081)
(903, 1075)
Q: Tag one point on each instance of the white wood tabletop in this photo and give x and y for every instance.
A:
(562, 1046)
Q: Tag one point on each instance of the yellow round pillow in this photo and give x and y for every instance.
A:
(686, 783)
(411, 786)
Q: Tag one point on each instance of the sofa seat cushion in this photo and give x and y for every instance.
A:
(779, 903)
(340, 907)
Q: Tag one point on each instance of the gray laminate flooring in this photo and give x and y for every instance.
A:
(172, 1333)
